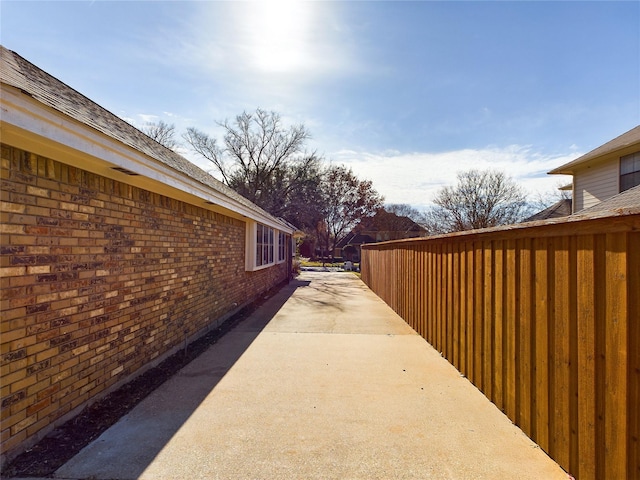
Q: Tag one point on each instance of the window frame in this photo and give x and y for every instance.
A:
(629, 171)
(282, 246)
(265, 246)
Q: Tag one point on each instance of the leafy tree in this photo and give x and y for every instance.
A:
(346, 201)
(267, 163)
(480, 199)
(161, 132)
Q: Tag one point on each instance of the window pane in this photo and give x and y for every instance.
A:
(630, 163)
(630, 180)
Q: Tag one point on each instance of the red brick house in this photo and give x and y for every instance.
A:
(115, 252)
(381, 227)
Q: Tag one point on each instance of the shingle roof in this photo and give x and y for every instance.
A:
(625, 140)
(388, 221)
(562, 208)
(624, 202)
(355, 239)
(48, 90)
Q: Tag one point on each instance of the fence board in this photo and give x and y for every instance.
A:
(586, 358)
(541, 348)
(455, 310)
(524, 337)
(616, 357)
(470, 310)
(438, 298)
(560, 353)
(449, 305)
(463, 310)
(600, 266)
(478, 312)
(498, 317)
(573, 356)
(487, 339)
(509, 330)
(633, 410)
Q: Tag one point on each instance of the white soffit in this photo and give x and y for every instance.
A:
(29, 125)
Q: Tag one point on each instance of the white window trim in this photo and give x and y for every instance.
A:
(251, 261)
(280, 242)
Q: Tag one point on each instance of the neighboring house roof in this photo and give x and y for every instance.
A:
(355, 239)
(51, 92)
(384, 221)
(562, 208)
(624, 202)
(625, 140)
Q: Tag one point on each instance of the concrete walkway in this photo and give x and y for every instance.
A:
(324, 381)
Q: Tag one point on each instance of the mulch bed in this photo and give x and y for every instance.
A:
(64, 442)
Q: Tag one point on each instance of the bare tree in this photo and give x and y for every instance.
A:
(542, 200)
(161, 132)
(480, 199)
(347, 200)
(266, 163)
(256, 147)
(406, 210)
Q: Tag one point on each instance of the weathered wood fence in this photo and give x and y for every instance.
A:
(543, 318)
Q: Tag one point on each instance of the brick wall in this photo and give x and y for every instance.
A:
(100, 279)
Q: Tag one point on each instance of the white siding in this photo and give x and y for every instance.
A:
(595, 184)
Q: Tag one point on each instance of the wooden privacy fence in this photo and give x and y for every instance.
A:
(543, 318)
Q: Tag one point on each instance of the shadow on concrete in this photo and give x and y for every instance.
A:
(318, 395)
(127, 448)
(132, 447)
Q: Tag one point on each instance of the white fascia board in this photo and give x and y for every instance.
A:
(24, 116)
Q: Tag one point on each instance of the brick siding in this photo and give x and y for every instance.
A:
(100, 279)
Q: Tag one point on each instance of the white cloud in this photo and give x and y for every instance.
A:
(414, 178)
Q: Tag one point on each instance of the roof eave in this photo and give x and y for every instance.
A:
(32, 126)
(625, 142)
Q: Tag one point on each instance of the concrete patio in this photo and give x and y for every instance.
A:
(324, 381)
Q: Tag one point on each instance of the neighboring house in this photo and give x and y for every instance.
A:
(604, 172)
(381, 227)
(115, 252)
(349, 248)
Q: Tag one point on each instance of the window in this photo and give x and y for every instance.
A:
(629, 171)
(264, 245)
(282, 246)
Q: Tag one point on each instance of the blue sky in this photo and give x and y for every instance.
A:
(406, 93)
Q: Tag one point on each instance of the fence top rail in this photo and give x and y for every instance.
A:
(624, 220)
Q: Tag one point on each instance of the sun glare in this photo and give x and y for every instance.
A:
(278, 34)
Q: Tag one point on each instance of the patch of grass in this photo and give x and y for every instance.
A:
(320, 264)
(305, 262)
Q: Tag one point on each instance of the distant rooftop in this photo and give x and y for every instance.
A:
(561, 208)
